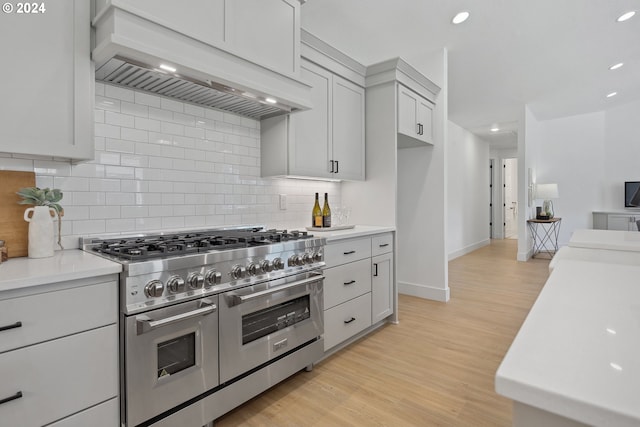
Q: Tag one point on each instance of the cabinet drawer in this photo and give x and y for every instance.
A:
(106, 414)
(345, 251)
(58, 378)
(347, 319)
(346, 282)
(381, 244)
(55, 314)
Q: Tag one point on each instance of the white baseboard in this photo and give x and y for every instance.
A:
(524, 256)
(423, 291)
(468, 249)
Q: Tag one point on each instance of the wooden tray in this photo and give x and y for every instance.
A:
(332, 228)
(14, 230)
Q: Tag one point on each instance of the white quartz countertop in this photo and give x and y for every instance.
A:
(19, 274)
(576, 354)
(606, 239)
(357, 231)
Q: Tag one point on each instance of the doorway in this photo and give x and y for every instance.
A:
(510, 197)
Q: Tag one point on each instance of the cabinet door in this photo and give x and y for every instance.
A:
(309, 150)
(266, 32)
(48, 84)
(425, 120)
(348, 130)
(381, 287)
(620, 222)
(407, 112)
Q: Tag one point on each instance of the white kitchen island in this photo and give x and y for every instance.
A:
(575, 359)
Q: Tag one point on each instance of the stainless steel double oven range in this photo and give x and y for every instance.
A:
(212, 318)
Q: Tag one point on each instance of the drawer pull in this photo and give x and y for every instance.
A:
(350, 282)
(375, 273)
(18, 395)
(350, 320)
(383, 245)
(349, 252)
(7, 327)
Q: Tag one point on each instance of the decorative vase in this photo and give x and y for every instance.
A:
(40, 231)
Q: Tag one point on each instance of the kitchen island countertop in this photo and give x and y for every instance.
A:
(23, 276)
(576, 353)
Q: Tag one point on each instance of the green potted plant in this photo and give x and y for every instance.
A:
(47, 199)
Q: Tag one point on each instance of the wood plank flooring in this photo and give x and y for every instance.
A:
(435, 368)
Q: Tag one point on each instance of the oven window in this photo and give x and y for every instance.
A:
(261, 323)
(176, 355)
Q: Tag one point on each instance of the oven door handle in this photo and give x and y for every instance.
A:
(145, 323)
(234, 298)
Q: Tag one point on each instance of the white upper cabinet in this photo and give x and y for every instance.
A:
(328, 140)
(415, 118)
(48, 86)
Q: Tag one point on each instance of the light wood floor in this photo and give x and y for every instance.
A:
(435, 368)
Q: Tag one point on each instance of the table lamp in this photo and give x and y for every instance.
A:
(547, 192)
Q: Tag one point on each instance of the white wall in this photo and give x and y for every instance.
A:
(570, 151)
(467, 192)
(163, 164)
(621, 156)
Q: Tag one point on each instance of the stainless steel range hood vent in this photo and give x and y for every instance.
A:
(136, 75)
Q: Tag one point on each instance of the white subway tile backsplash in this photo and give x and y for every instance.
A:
(163, 164)
(134, 109)
(171, 105)
(137, 135)
(119, 92)
(147, 99)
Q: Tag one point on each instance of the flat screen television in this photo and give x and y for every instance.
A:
(632, 194)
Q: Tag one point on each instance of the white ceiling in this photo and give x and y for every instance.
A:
(550, 54)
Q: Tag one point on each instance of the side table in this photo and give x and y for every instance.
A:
(545, 235)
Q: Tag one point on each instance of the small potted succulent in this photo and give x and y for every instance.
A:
(45, 200)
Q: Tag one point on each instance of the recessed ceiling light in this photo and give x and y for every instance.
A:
(494, 129)
(609, 95)
(626, 16)
(616, 66)
(460, 17)
(271, 100)
(168, 68)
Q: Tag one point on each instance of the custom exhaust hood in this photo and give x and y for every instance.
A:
(143, 55)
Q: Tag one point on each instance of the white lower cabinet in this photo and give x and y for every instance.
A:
(58, 359)
(358, 287)
(347, 319)
(616, 221)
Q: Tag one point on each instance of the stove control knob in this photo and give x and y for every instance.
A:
(307, 258)
(253, 269)
(175, 284)
(195, 280)
(212, 277)
(238, 272)
(154, 289)
(317, 257)
(278, 264)
(266, 266)
(294, 260)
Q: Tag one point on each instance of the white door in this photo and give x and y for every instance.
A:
(510, 168)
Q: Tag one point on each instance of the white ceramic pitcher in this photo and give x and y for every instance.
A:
(40, 231)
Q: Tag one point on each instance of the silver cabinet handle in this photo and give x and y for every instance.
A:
(234, 298)
(146, 324)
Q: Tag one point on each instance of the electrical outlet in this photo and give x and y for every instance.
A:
(283, 202)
